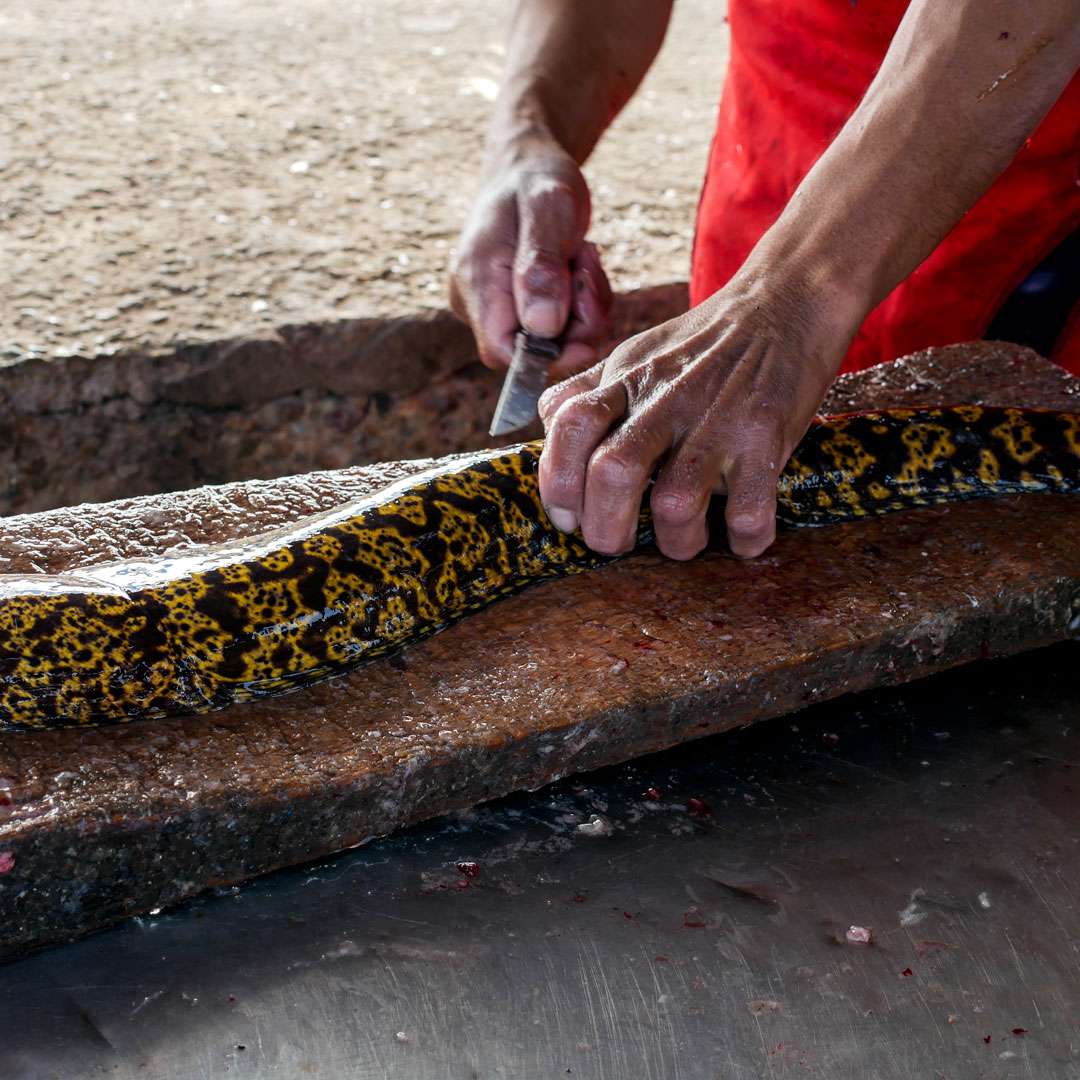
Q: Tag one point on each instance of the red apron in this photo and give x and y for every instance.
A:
(798, 69)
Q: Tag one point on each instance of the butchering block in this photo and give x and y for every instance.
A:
(104, 823)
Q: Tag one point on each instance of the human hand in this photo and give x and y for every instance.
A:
(717, 399)
(523, 261)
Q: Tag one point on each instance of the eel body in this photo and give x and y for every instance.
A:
(227, 624)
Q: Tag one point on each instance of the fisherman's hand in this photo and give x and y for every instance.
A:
(523, 261)
(713, 401)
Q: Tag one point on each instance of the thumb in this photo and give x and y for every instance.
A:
(552, 217)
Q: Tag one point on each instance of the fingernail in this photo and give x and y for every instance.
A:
(563, 520)
(543, 318)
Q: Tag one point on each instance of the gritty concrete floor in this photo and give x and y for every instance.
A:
(194, 170)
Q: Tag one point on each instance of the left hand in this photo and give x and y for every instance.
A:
(716, 399)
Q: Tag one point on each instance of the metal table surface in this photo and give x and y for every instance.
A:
(698, 930)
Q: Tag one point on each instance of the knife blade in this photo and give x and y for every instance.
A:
(526, 380)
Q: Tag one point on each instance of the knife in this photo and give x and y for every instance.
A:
(526, 380)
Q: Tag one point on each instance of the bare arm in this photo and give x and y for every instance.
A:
(571, 67)
(522, 258)
(962, 86)
(723, 394)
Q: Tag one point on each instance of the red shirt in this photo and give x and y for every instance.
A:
(798, 69)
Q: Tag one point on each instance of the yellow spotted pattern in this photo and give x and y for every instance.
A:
(206, 630)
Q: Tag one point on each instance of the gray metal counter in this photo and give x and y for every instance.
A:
(665, 941)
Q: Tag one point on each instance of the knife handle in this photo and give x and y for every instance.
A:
(548, 348)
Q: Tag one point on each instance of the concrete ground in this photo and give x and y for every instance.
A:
(194, 170)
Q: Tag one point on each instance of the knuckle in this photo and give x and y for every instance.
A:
(541, 271)
(747, 523)
(476, 271)
(750, 498)
(677, 506)
(547, 406)
(615, 470)
(580, 416)
(757, 470)
(759, 440)
(561, 490)
(750, 525)
(553, 191)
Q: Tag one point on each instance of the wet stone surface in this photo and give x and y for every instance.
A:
(569, 676)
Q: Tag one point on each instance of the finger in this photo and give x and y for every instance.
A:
(618, 472)
(590, 315)
(552, 398)
(552, 224)
(592, 297)
(680, 500)
(482, 294)
(574, 431)
(495, 324)
(576, 357)
(751, 504)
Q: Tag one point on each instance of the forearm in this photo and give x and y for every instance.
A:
(571, 66)
(963, 85)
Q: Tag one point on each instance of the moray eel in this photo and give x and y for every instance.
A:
(214, 626)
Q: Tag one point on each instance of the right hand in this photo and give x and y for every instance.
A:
(523, 261)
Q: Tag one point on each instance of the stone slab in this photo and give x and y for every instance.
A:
(101, 824)
(321, 395)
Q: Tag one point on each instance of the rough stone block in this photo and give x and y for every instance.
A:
(311, 396)
(100, 824)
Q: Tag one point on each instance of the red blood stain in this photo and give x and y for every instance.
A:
(692, 921)
(988, 1039)
(662, 959)
(627, 915)
(907, 973)
(579, 899)
(469, 869)
(1019, 1031)
(698, 807)
(653, 794)
(232, 999)
(7, 862)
